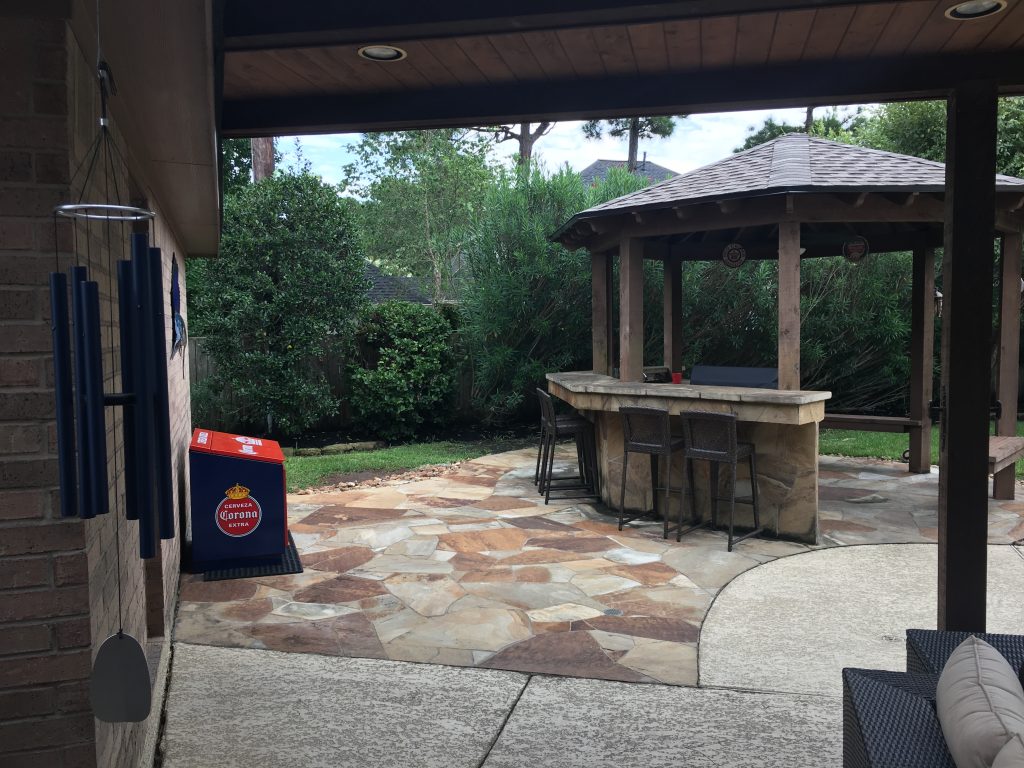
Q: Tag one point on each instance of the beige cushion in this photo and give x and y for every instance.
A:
(1012, 755)
(980, 703)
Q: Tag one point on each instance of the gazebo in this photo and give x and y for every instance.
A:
(792, 198)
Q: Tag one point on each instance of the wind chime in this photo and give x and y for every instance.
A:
(120, 689)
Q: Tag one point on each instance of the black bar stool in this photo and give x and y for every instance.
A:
(649, 430)
(552, 429)
(712, 437)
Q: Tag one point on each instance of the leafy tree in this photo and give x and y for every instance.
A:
(420, 190)
(526, 300)
(832, 126)
(523, 133)
(287, 279)
(403, 373)
(635, 128)
(236, 164)
(919, 128)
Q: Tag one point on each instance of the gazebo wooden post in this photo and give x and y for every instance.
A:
(789, 305)
(922, 341)
(673, 311)
(631, 309)
(966, 365)
(1009, 346)
(601, 311)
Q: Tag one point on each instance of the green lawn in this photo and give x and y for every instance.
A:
(310, 471)
(881, 445)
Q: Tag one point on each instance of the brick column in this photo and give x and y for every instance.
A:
(44, 595)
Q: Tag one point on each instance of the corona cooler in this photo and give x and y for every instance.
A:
(238, 510)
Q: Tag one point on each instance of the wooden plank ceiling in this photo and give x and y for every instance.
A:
(652, 57)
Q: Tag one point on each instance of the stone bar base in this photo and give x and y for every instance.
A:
(783, 426)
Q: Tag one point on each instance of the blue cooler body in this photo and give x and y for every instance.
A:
(239, 509)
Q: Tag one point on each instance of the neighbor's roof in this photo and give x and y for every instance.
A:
(598, 170)
(388, 287)
(794, 162)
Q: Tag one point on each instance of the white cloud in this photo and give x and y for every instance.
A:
(697, 141)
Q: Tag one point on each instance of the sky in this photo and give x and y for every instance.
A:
(697, 141)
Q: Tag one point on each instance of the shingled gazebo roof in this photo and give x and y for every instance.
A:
(794, 162)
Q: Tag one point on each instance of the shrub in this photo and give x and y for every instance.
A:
(286, 280)
(404, 370)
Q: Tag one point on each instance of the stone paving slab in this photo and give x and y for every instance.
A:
(234, 708)
(472, 568)
(793, 624)
(569, 723)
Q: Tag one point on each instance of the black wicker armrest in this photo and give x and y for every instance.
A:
(928, 649)
(889, 721)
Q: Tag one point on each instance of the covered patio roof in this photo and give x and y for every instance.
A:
(298, 70)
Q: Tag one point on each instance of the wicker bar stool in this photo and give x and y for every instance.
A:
(649, 430)
(552, 429)
(712, 437)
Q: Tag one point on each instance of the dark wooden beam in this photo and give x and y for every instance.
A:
(922, 344)
(1004, 481)
(790, 84)
(36, 9)
(255, 24)
(966, 379)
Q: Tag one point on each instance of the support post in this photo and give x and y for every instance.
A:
(922, 342)
(631, 309)
(673, 309)
(789, 305)
(965, 384)
(601, 311)
(1003, 482)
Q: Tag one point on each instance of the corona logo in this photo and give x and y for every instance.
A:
(237, 491)
(238, 513)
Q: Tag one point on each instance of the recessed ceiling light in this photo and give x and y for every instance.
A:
(382, 53)
(975, 9)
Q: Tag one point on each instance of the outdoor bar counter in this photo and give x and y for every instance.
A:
(782, 424)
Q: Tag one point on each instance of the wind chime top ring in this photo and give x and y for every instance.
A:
(104, 212)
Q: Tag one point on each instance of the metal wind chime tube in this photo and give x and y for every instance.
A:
(95, 416)
(85, 507)
(161, 401)
(143, 375)
(64, 394)
(126, 324)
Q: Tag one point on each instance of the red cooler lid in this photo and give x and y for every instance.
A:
(223, 444)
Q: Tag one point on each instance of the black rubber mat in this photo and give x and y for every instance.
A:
(289, 563)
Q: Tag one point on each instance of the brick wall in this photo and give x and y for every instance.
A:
(58, 578)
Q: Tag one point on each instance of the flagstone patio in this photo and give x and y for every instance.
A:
(472, 569)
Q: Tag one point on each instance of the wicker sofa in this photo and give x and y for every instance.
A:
(889, 718)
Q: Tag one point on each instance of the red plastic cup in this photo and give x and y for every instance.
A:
(677, 377)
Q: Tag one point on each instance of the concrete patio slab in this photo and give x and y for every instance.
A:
(567, 723)
(235, 708)
(792, 625)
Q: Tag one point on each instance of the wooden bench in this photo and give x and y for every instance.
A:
(1004, 451)
(857, 421)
